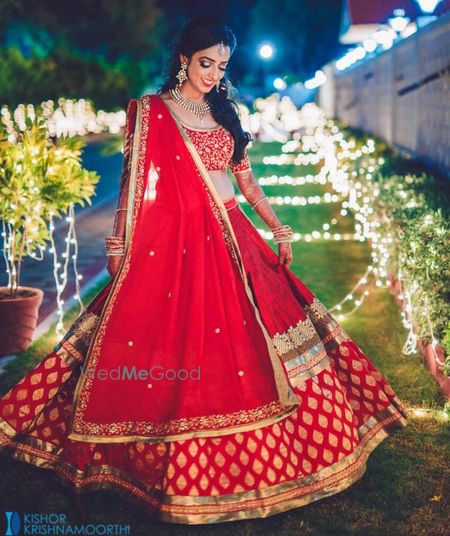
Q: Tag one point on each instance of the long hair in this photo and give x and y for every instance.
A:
(198, 33)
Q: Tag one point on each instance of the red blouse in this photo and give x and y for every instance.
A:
(215, 148)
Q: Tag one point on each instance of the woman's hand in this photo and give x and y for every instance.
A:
(114, 262)
(284, 253)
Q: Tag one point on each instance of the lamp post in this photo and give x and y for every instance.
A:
(266, 52)
(398, 22)
(385, 36)
(427, 7)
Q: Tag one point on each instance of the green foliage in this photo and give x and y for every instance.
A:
(40, 178)
(110, 28)
(105, 51)
(65, 74)
(411, 213)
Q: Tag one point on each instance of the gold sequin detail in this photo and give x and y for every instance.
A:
(215, 148)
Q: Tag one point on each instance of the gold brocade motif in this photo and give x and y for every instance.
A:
(266, 500)
(215, 148)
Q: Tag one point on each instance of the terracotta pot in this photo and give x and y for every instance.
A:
(18, 318)
(424, 347)
(433, 364)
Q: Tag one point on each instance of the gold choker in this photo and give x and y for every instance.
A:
(199, 109)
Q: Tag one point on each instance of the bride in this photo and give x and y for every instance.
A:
(205, 380)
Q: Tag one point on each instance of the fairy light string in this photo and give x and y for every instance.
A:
(349, 169)
(308, 139)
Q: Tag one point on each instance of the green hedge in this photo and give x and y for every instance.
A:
(412, 206)
(63, 74)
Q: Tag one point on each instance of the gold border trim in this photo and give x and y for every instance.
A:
(259, 503)
(123, 267)
(209, 432)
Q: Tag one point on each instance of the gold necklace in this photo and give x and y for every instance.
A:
(199, 109)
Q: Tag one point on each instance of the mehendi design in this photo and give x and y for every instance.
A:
(252, 191)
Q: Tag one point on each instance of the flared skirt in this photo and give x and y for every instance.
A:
(346, 409)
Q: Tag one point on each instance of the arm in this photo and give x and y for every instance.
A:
(121, 213)
(252, 191)
(254, 194)
(114, 244)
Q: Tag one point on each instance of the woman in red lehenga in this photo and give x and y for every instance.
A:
(205, 380)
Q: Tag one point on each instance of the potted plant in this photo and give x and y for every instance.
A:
(40, 178)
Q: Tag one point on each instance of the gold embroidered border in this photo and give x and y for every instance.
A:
(138, 156)
(304, 348)
(318, 326)
(73, 347)
(204, 426)
(295, 336)
(201, 510)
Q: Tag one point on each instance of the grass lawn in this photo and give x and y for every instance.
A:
(403, 490)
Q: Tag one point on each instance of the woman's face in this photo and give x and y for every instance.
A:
(206, 67)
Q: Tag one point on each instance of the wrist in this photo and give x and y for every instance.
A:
(282, 233)
(265, 211)
(114, 246)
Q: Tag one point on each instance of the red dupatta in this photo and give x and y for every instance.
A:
(180, 306)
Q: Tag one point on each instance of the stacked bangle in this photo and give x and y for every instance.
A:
(114, 246)
(282, 233)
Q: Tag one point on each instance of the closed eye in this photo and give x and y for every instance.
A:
(206, 67)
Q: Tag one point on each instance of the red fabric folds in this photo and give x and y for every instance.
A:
(227, 446)
(193, 317)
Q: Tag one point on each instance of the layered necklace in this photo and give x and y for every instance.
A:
(200, 109)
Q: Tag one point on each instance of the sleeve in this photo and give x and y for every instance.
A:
(128, 143)
(243, 165)
(126, 165)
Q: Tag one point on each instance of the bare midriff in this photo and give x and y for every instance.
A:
(223, 184)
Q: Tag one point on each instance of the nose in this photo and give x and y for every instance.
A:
(216, 74)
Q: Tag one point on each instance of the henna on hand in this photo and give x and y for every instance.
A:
(253, 192)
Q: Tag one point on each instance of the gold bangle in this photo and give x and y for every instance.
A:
(257, 202)
(117, 209)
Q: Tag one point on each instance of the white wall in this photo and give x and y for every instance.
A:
(401, 95)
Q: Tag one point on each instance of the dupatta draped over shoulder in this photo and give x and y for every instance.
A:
(180, 350)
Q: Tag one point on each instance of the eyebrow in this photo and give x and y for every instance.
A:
(210, 59)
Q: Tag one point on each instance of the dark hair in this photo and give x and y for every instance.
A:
(198, 33)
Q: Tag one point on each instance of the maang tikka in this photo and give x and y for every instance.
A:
(221, 50)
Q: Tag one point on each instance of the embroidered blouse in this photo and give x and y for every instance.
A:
(215, 147)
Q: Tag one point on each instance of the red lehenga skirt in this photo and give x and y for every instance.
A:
(346, 409)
